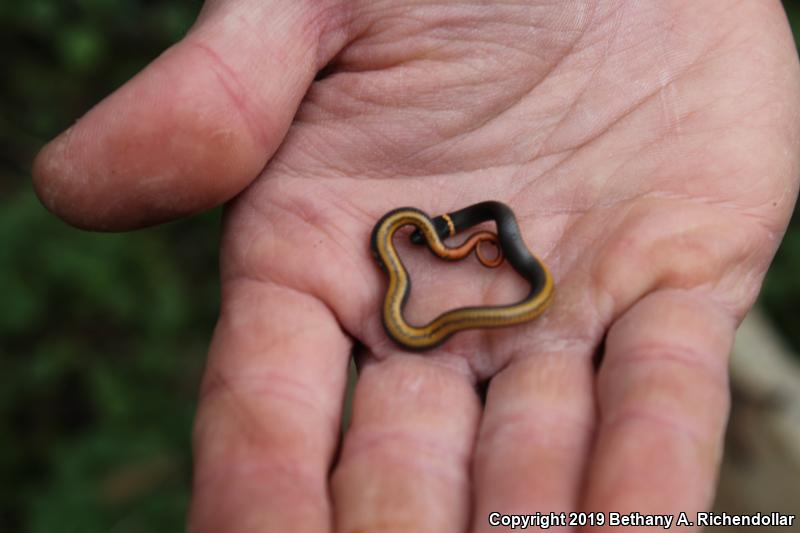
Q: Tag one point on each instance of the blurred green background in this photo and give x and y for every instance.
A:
(102, 337)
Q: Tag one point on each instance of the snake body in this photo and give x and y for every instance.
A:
(510, 244)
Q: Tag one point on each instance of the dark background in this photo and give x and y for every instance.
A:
(103, 336)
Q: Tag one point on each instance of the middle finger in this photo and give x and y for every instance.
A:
(535, 436)
(405, 459)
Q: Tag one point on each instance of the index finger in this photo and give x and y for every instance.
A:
(269, 416)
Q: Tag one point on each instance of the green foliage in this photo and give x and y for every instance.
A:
(62, 56)
(103, 341)
(781, 293)
(102, 337)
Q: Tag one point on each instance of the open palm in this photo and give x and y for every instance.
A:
(649, 150)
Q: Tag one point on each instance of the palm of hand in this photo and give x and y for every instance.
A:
(645, 156)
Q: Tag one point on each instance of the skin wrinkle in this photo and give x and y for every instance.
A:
(265, 282)
(664, 353)
(553, 428)
(333, 231)
(639, 244)
(601, 288)
(568, 229)
(459, 23)
(444, 359)
(549, 341)
(617, 173)
(378, 150)
(523, 174)
(514, 100)
(460, 19)
(321, 228)
(636, 415)
(575, 220)
(252, 114)
(643, 352)
(447, 357)
(299, 473)
(577, 98)
(606, 129)
(251, 431)
(324, 170)
(759, 219)
(331, 27)
(350, 87)
(661, 86)
(668, 94)
(322, 26)
(363, 217)
(430, 456)
(386, 429)
(334, 413)
(281, 385)
(242, 265)
(228, 324)
(246, 267)
(572, 208)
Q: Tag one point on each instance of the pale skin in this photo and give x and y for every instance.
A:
(649, 149)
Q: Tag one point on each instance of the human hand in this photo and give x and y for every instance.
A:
(649, 150)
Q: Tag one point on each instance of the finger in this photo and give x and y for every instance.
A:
(535, 435)
(198, 124)
(268, 421)
(663, 399)
(405, 457)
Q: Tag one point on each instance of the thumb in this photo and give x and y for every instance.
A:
(197, 125)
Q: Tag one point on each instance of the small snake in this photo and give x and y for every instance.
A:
(509, 244)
